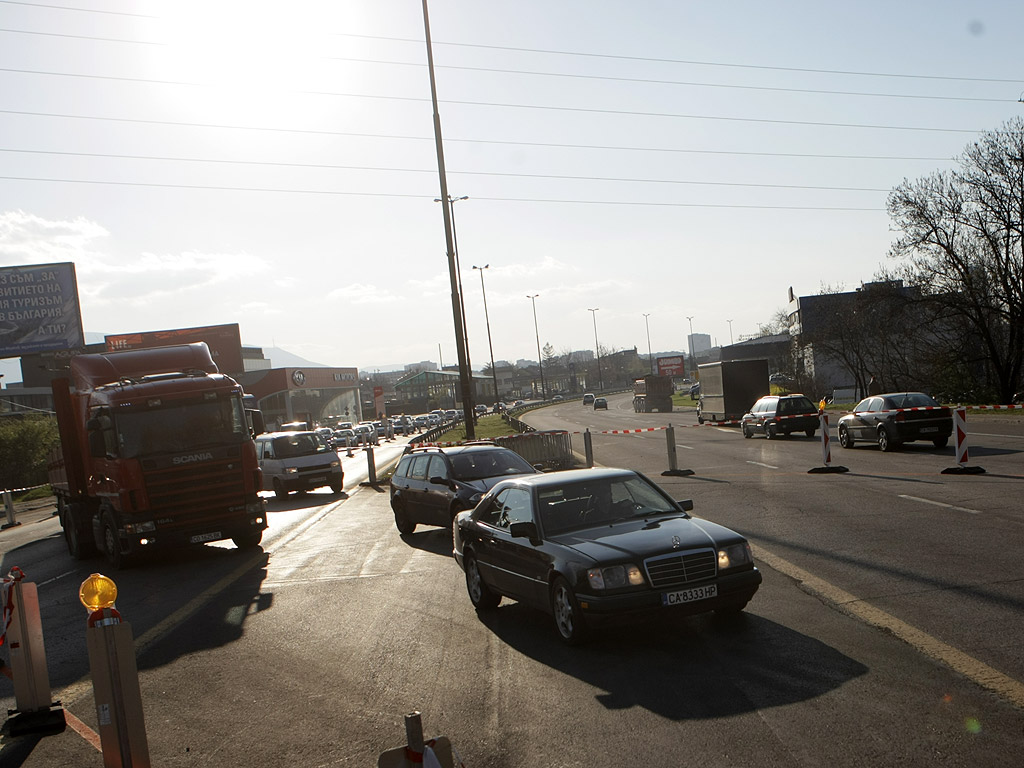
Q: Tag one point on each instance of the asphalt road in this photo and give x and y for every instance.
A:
(311, 652)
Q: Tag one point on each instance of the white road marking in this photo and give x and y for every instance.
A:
(759, 464)
(940, 504)
(687, 447)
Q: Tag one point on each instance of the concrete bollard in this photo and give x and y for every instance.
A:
(36, 712)
(115, 677)
(588, 448)
(371, 466)
(9, 506)
(673, 459)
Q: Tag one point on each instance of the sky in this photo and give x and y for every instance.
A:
(673, 165)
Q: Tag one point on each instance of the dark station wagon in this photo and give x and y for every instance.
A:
(589, 545)
(776, 415)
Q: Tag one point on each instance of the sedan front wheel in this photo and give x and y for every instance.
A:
(566, 610)
(480, 595)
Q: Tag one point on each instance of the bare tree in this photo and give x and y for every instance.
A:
(961, 245)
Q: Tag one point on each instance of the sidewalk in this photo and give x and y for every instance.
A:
(28, 512)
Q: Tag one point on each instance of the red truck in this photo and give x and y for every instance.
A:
(155, 452)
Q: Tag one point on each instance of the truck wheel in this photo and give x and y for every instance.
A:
(112, 544)
(80, 547)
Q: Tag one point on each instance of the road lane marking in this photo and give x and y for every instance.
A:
(83, 686)
(727, 431)
(687, 447)
(760, 464)
(987, 677)
(940, 504)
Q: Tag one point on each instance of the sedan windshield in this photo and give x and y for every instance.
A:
(600, 502)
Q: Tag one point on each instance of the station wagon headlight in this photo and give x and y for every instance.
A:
(335, 464)
(615, 576)
(734, 555)
(291, 470)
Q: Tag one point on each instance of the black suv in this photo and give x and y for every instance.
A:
(432, 485)
(781, 415)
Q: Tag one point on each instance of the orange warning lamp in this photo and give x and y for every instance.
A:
(98, 592)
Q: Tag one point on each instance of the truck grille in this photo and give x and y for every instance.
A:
(211, 491)
(670, 570)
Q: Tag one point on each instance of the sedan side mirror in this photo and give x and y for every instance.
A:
(527, 530)
(686, 504)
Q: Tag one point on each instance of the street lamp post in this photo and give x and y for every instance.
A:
(650, 355)
(689, 343)
(540, 360)
(597, 347)
(468, 402)
(465, 372)
(494, 372)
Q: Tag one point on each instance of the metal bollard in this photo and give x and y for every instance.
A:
(115, 677)
(588, 448)
(9, 505)
(371, 466)
(673, 460)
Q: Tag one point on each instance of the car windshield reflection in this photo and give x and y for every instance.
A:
(594, 503)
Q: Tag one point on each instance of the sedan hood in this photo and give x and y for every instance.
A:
(639, 539)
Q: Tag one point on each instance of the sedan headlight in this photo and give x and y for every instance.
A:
(615, 576)
(734, 555)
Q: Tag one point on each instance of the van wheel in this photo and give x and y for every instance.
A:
(279, 490)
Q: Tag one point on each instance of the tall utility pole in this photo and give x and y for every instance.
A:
(597, 347)
(494, 372)
(458, 271)
(540, 360)
(650, 355)
(465, 375)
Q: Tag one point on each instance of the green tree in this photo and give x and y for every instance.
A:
(25, 442)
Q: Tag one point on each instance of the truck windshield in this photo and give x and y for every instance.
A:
(181, 426)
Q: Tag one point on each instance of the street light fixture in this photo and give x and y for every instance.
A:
(540, 361)
(494, 372)
(597, 347)
(730, 331)
(650, 355)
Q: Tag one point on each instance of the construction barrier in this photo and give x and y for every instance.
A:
(551, 449)
(826, 450)
(22, 630)
(960, 445)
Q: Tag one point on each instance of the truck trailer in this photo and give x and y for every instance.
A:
(652, 393)
(728, 388)
(155, 452)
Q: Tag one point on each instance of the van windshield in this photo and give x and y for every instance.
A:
(290, 446)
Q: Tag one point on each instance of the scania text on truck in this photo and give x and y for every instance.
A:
(728, 388)
(652, 393)
(155, 452)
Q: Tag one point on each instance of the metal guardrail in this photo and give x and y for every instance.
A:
(550, 449)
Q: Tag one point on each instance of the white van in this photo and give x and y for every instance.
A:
(298, 461)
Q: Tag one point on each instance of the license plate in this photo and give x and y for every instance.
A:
(206, 537)
(689, 595)
(320, 479)
(929, 429)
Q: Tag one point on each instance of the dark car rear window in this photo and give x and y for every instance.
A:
(476, 465)
(796, 405)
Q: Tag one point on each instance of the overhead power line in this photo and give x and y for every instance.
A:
(273, 190)
(496, 174)
(569, 75)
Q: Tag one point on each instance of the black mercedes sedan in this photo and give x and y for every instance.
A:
(589, 545)
(894, 418)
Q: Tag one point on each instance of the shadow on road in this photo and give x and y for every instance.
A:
(685, 668)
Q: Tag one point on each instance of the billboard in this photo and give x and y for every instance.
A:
(224, 341)
(671, 366)
(39, 309)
